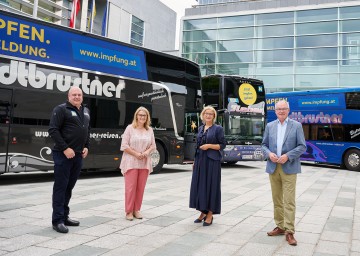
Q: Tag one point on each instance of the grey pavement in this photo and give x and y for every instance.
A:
(327, 218)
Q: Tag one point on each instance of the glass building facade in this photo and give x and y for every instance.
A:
(289, 50)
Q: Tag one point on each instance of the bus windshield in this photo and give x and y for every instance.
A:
(244, 128)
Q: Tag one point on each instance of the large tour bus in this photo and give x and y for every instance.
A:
(40, 61)
(331, 123)
(240, 104)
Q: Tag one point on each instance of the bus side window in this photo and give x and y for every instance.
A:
(4, 112)
(313, 132)
(338, 132)
(325, 133)
(306, 129)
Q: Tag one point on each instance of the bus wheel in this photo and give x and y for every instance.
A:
(158, 158)
(352, 160)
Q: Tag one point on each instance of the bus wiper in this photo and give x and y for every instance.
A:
(232, 138)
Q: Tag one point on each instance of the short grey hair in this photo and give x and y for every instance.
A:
(281, 101)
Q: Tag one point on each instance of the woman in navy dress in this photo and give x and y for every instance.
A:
(205, 191)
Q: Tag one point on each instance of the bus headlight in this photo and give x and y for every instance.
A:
(228, 148)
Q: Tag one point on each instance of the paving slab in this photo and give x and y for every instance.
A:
(327, 217)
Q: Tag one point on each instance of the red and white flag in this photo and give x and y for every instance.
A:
(74, 12)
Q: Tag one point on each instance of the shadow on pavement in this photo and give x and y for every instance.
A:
(237, 166)
(172, 170)
(335, 167)
(38, 177)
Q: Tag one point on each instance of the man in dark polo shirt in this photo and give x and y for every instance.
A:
(69, 128)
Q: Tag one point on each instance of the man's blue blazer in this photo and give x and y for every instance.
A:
(294, 146)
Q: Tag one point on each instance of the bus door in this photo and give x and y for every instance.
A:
(192, 123)
(5, 113)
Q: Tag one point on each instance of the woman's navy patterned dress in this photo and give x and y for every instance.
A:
(205, 191)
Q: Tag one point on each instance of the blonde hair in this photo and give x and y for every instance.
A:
(211, 109)
(148, 119)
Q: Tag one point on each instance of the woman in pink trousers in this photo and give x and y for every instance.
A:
(138, 142)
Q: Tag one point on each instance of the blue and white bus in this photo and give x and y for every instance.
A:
(331, 123)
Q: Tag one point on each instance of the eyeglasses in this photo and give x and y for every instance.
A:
(208, 114)
(141, 115)
(281, 109)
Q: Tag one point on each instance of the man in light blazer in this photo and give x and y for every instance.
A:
(283, 144)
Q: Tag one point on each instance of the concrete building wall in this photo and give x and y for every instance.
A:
(160, 23)
(159, 20)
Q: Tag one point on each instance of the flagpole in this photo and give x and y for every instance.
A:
(72, 14)
(107, 16)
(104, 25)
(92, 16)
(84, 15)
(75, 10)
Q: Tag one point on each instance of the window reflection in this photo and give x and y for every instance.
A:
(207, 69)
(275, 55)
(272, 68)
(315, 41)
(273, 43)
(243, 69)
(321, 67)
(275, 18)
(275, 64)
(236, 45)
(201, 58)
(236, 33)
(137, 31)
(316, 63)
(207, 46)
(5, 108)
(199, 24)
(347, 80)
(318, 81)
(200, 35)
(235, 21)
(316, 28)
(230, 57)
(316, 15)
(349, 25)
(316, 54)
(350, 12)
(350, 52)
(276, 83)
(278, 30)
(351, 39)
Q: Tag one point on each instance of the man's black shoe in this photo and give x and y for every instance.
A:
(61, 228)
(70, 222)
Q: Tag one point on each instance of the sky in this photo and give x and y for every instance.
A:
(179, 7)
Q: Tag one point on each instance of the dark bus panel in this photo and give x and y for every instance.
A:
(31, 86)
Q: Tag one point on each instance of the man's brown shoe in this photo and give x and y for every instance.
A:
(276, 232)
(291, 239)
